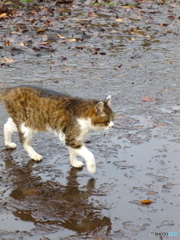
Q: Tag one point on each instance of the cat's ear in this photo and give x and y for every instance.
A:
(99, 108)
(108, 100)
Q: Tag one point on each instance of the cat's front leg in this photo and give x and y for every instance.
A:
(88, 156)
(75, 163)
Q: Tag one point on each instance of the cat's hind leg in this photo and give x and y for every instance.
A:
(26, 135)
(74, 162)
(9, 128)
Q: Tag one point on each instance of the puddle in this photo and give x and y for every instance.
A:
(130, 53)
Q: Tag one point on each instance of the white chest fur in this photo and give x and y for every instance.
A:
(85, 126)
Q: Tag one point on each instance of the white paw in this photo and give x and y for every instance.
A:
(91, 168)
(11, 145)
(36, 157)
(78, 164)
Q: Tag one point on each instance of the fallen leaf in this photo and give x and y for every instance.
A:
(137, 32)
(66, 69)
(72, 39)
(160, 125)
(119, 116)
(128, 6)
(3, 15)
(7, 60)
(119, 20)
(31, 192)
(163, 24)
(80, 47)
(21, 44)
(146, 202)
(43, 9)
(40, 30)
(14, 32)
(171, 17)
(151, 193)
(82, 19)
(147, 99)
(143, 11)
(14, 12)
(60, 36)
(44, 43)
(91, 14)
(137, 127)
(7, 43)
(113, 31)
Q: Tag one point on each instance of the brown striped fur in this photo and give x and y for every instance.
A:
(45, 110)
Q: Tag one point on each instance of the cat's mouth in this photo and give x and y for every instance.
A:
(109, 126)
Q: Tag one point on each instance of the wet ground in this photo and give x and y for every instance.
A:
(92, 50)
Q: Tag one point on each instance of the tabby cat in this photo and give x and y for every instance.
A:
(33, 109)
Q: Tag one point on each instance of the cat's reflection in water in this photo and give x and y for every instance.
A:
(52, 204)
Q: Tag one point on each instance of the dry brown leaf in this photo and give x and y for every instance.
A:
(40, 30)
(43, 9)
(72, 39)
(137, 127)
(7, 43)
(119, 20)
(91, 14)
(126, 7)
(3, 15)
(146, 202)
(143, 11)
(66, 69)
(7, 60)
(113, 31)
(31, 192)
(21, 44)
(160, 125)
(151, 193)
(44, 43)
(60, 36)
(171, 17)
(137, 32)
(14, 32)
(147, 99)
(119, 116)
(82, 19)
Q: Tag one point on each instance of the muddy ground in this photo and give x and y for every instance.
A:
(130, 50)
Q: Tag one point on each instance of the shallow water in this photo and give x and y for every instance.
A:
(131, 59)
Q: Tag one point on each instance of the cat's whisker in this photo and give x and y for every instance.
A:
(105, 134)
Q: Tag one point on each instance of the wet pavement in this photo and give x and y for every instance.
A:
(132, 53)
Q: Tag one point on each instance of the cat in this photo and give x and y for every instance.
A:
(33, 109)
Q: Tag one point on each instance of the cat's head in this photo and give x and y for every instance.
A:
(102, 116)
